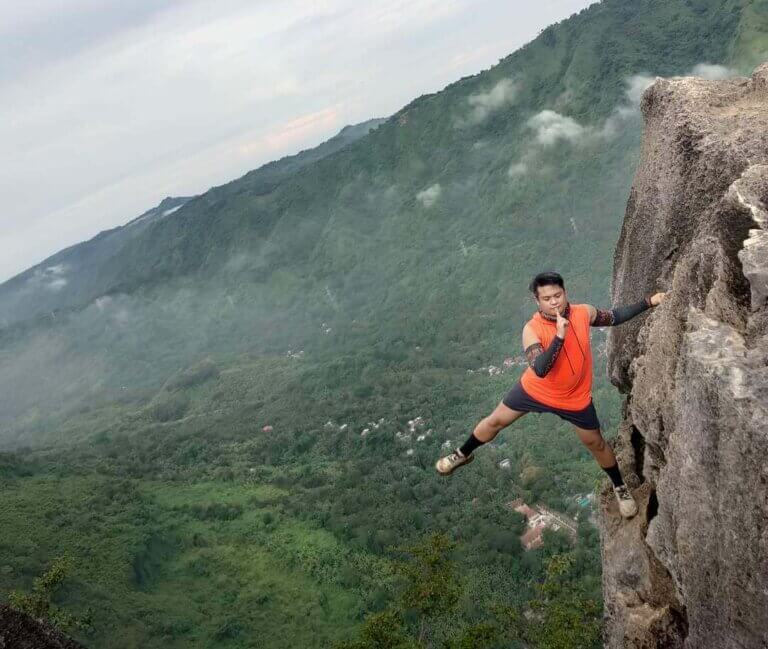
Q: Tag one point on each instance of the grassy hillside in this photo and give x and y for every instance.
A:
(371, 285)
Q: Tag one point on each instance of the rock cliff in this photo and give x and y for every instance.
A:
(691, 569)
(20, 631)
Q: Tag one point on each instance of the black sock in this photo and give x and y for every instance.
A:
(615, 474)
(470, 445)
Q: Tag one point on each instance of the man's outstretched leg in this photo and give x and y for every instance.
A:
(484, 432)
(603, 453)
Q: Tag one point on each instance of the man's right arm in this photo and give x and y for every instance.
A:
(539, 359)
(618, 315)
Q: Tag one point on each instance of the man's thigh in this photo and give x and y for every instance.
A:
(504, 416)
(584, 420)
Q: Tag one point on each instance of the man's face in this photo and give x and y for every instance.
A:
(551, 298)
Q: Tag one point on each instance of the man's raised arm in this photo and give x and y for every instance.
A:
(540, 361)
(612, 317)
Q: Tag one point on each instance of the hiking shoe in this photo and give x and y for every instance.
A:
(448, 464)
(627, 504)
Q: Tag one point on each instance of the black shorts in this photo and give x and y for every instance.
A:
(518, 399)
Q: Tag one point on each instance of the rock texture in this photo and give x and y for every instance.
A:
(691, 569)
(20, 631)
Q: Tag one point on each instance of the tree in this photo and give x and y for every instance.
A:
(562, 616)
(432, 588)
(38, 603)
(382, 631)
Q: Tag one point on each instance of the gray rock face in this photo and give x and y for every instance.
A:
(691, 569)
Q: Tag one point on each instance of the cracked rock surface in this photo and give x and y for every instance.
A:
(20, 631)
(690, 570)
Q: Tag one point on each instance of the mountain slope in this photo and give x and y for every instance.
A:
(75, 276)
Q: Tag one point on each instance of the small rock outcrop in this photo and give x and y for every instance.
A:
(20, 631)
(690, 570)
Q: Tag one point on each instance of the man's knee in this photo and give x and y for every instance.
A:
(494, 421)
(594, 442)
(502, 417)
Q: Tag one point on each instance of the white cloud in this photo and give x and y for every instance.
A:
(629, 110)
(102, 302)
(429, 196)
(517, 169)
(637, 84)
(50, 278)
(238, 262)
(122, 317)
(713, 72)
(483, 104)
(172, 210)
(551, 127)
(56, 284)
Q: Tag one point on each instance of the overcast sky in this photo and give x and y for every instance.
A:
(107, 107)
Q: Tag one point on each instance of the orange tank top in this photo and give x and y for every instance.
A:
(568, 385)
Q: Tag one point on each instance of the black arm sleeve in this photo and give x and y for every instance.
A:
(542, 361)
(620, 314)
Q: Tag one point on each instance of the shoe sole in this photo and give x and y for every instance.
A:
(447, 473)
(634, 513)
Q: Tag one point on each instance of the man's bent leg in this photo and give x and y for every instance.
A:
(500, 418)
(484, 432)
(593, 440)
(489, 427)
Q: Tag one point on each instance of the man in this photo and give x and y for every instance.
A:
(559, 377)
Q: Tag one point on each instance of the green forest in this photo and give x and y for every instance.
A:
(183, 459)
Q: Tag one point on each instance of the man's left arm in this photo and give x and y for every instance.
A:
(613, 317)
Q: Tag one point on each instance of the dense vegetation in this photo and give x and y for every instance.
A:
(354, 291)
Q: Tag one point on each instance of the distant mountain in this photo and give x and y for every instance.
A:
(76, 275)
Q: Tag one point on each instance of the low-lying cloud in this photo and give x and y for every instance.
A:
(50, 278)
(429, 196)
(504, 93)
(517, 169)
(637, 84)
(550, 127)
(713, 72)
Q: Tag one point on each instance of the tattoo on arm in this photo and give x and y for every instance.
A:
(532, 352)
(541, 361)
(605, 318)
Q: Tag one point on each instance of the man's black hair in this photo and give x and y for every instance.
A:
(545, 279)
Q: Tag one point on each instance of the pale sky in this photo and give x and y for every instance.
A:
(107, 107)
